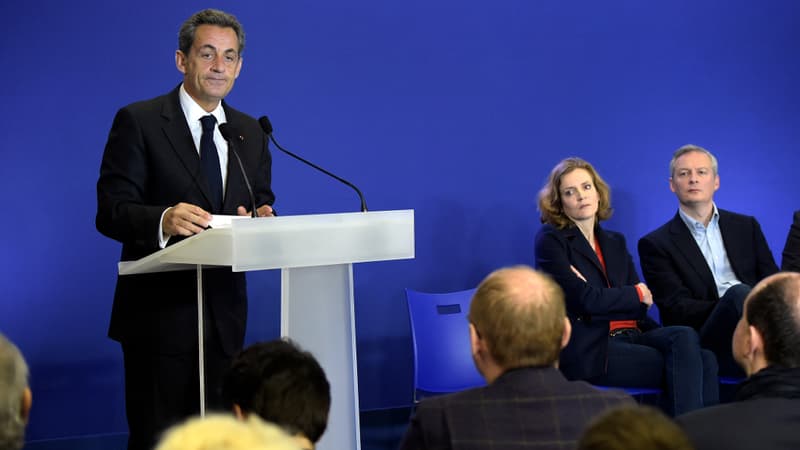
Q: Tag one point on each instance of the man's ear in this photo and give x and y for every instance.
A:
(180, 61)
(567, 333)
(27, 402)
(238, 413)
(475, 341)
(755, 343)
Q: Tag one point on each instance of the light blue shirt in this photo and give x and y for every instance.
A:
(709, 240)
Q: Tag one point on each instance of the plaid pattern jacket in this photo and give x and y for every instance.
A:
(526, 408)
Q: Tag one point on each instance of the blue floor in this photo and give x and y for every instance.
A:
(380, 430)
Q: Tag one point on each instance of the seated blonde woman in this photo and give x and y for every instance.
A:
(225, 432)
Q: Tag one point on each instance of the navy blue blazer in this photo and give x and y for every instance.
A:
(524, 408)
(791, 250)
(682, 284)
(603, 297)
(771, 423)
(150, 162)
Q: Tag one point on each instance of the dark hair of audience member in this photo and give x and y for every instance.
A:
(773, 311)
(281, 384)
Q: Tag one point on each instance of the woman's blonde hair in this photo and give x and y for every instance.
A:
(550, 206)
(225, 432)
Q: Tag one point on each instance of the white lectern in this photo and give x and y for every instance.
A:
(315, 254)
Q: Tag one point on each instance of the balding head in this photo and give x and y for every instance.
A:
(769, 330)
(519, 314)
(15, 396)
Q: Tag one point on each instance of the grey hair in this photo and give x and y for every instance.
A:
(13, 381)
(208, 17)
(688, 148)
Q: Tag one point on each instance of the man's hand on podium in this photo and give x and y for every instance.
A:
(261, 211)
(185, 219)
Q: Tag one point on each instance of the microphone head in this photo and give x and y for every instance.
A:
(229, 132)
(265, 125)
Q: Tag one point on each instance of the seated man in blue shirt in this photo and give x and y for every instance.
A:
(703, 262)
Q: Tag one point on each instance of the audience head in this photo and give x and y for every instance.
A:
(282, 384)
(15, 396)
(551, 196)
(225, 432)
(768, 333)
(631, 427)
(517, 319)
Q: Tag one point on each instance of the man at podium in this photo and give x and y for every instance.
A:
(165, 170)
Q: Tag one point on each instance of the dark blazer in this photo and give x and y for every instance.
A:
(591, 304)
(761, 423)
(150, 162)
(679, 277)
(523, 408)
(791, 250)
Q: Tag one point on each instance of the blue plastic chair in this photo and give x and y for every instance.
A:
(440, 336)
(732, 381)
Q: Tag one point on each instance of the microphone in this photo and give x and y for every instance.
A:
(267, 127)
(231, 135)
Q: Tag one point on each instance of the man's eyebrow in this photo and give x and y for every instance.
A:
(211, 47)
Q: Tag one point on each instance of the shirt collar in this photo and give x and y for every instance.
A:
(695, 224)
(194, 112)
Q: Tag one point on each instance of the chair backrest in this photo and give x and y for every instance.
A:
(440, 335)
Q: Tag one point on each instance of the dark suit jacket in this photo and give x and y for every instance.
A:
(679, 277)
(150, 163)
(791, 250)
(762, 423)
(591, 304)
(523, 408)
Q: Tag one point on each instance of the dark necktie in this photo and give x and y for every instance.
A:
(210, 161)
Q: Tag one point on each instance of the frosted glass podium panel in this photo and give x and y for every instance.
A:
(289, 241)
(323, 239)
(317, 312)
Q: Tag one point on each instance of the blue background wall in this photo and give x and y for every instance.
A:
(456, 109)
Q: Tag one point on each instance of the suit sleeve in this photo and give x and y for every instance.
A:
(765, 262)
(583, 298)
(122, 212)
(791, 250)
(427, 429)
(673, 297)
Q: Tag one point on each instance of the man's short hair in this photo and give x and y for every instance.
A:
(13, 382)
(630, 427)
(224, 432)
(774, 310)
(208, 17)
(520, 313)
(282, 384)
(689, 148)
